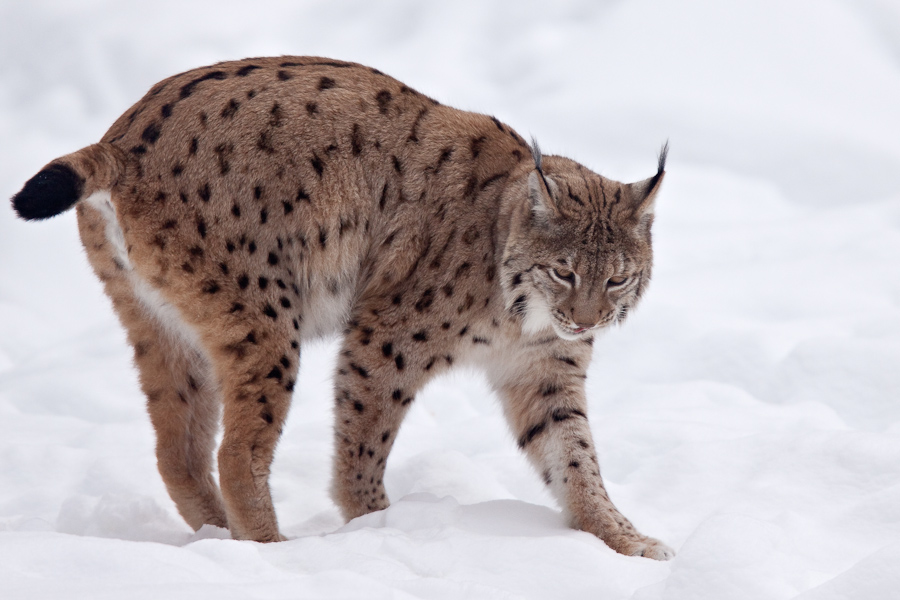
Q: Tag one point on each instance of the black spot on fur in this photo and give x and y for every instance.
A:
(362, 371)
(192, 148)
(355, 140)
(323, 237)
(399, 361)
(326, 83)
(223, 153)
(188, 88)
(287, 206)
(302, 195)
(414, 132)
(151, 133)
(533, 432)
(548, 389)
(264, 143)
(270, 312)
(317, 164)
(263, 216)
(384, 101)
(563, 414)
(230, 109)
(283, 76)
(276, 116)
(166, 110)
(425, 301)
(246, 70)
(476, 144)
(494, 178)
(387, 349)
(420, 336)
(201, 227)
(311, 108)
(204, 192)
(263, 282)
(52, 191)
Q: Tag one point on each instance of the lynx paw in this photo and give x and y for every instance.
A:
(644, 546)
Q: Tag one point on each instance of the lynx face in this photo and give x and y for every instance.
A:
(582, 257)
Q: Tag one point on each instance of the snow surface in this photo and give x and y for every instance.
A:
(747, 414)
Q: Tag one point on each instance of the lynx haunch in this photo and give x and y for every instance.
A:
(240, 210)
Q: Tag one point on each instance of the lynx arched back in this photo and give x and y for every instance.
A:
(239, 210)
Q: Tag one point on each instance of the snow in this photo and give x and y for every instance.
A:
(748, 414)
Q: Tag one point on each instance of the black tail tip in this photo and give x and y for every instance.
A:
(52, 191)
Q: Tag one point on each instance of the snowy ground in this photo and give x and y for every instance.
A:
(748, 414)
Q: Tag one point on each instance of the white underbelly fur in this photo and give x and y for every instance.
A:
(163, 312)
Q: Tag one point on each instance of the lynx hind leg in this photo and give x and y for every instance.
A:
(257, 389)
(175, 378)
(184, 409)
(547, 412)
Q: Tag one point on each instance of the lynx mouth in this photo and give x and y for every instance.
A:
(568, 331)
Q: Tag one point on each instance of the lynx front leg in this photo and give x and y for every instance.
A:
(550, 421)
(379, 373)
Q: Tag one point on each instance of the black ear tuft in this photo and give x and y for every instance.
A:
(52, 191)
(660, 166)
(663, 155)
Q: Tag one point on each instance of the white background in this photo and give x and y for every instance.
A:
(748, 414)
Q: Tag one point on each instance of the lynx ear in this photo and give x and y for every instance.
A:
(541, 189)
(643, 193)
(540, 194)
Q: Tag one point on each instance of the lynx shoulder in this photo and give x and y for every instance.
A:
(239, 210)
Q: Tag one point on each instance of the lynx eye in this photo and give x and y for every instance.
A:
(617, 280)
(565, 275)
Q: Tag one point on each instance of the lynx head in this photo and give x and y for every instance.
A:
(579, 253)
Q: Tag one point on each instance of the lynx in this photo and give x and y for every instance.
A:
(240, 210)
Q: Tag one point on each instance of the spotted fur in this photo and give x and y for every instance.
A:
(240, 210)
